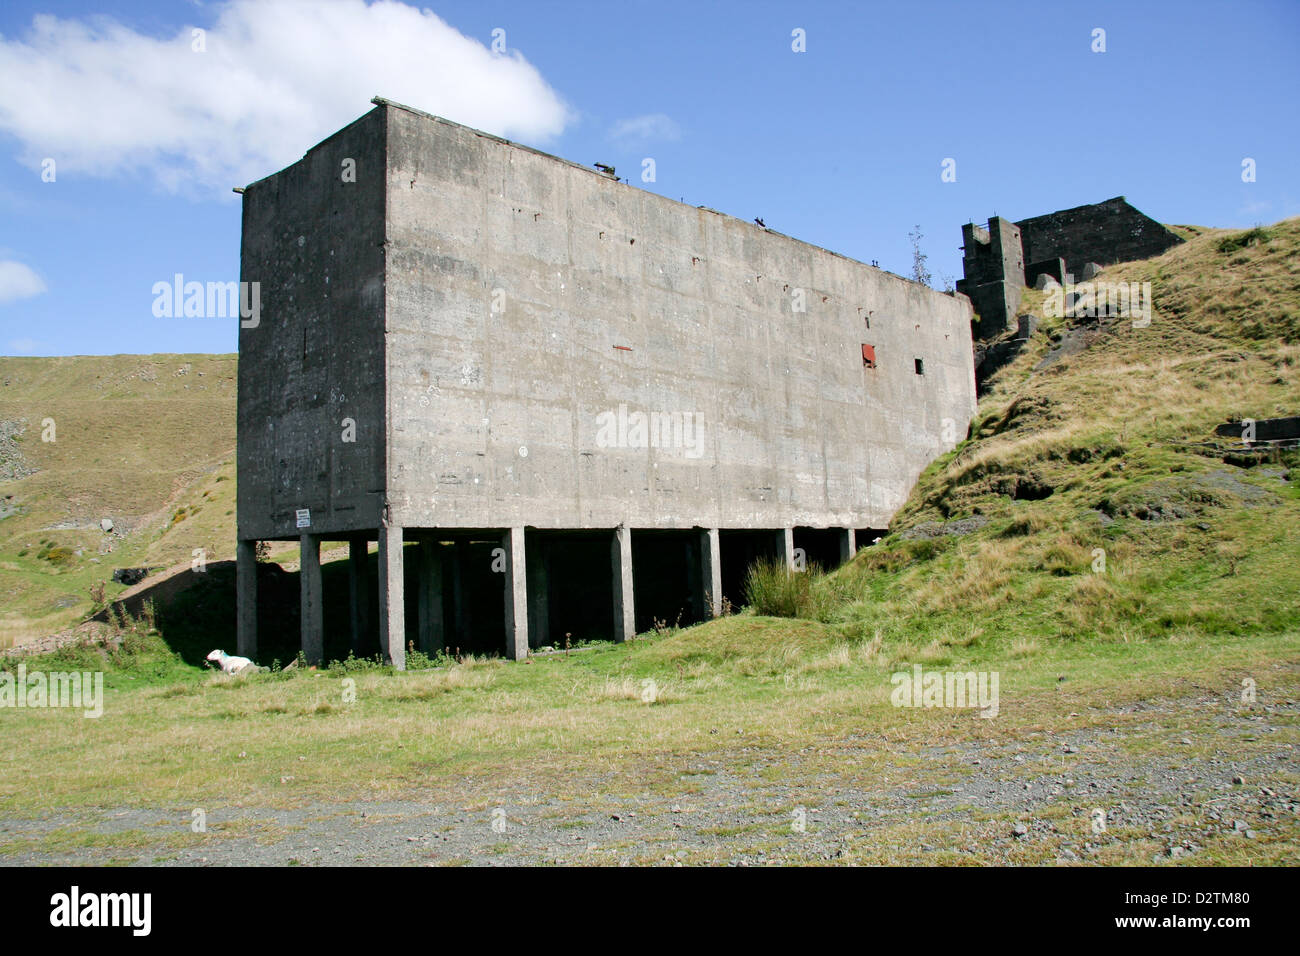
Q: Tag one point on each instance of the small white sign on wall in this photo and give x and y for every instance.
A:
(304, 517)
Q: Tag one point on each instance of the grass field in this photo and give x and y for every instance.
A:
(792, 711)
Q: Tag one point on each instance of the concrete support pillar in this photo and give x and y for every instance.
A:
(711, 571)
(539, 593)
(432, 637)
(624, 599)
(246, 599)
(695, 586)
(785, 547)
(848, 545)
(313, 612)
(516, 586)
(460, 558)
(392, 610)
(359, 593)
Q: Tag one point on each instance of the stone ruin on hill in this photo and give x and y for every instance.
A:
(1003, 257)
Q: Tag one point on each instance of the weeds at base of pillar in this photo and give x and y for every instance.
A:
(663, 628)
(725, 607)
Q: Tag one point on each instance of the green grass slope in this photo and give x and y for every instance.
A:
(146, 441)
(1100, 512)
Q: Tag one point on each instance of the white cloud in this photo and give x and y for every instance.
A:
(644, 129)
(18, 281)
(277, 77)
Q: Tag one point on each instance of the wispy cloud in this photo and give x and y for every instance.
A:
(273, 78)
(24, 346)
(638, 130)
(18, 281)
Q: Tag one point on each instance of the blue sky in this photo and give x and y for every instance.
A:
(840, 145)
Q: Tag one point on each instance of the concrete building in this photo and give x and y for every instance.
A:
(560, 404)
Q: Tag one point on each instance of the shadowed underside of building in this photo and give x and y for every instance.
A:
(563, 407)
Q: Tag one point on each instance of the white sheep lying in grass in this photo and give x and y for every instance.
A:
(228, 663)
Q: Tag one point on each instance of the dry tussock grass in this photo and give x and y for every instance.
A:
(1024, 647)
(645, 690)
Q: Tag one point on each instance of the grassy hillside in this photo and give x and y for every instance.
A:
(145, 441)
(1101, 455)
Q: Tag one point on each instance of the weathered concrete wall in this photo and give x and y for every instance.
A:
(315, 244)
(1105, 232)
(526, 296)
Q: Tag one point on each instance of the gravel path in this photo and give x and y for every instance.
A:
(1149, 791)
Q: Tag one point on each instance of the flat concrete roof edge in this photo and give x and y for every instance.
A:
(384, 101)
